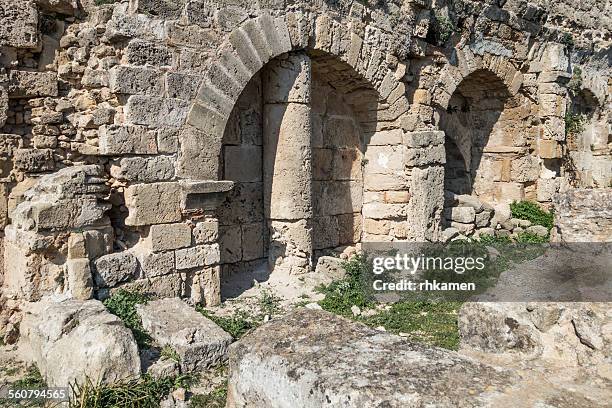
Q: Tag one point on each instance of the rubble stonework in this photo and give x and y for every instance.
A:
(135, 140)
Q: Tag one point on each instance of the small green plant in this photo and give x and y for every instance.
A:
(575, 83)
(102, 2)
(574, 123)
(444, 28)
(123, 304)
(31, 379)
(169, 353)
(237, 325)
(341, 295)
(145, 392)
(269, 303)
(527, 210)
(494, 240)
(567, 39)
(214, 399)
(529, 238)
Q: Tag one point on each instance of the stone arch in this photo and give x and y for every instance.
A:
(256, 42)
(451, 76)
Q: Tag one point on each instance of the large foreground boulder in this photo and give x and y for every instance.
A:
(311, 358)
(73, 340)
(198, 341)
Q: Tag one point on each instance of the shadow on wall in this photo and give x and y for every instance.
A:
(340, 120)
(479, 136)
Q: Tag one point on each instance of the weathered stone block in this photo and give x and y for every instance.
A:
(197, 256)
(152, 111)
(19, 27)
(386, 137)
(423, 138)
(525, 168)
(206, 232)
(230, 243)
(160, 264)
(115, 268)
(243, 163)
(460, 214)
(169, 236)
(60, 335)
(155, 203)
(126, 25)
(182, 86)
(314, 344)
(136, 80)
(253, 236)
(29, 84)
(34, 160)
(80, 282)
(347, 164)
(199, 342)
(199, 154)
(378, 211)
(425, 156)
(325, 232)
(146, 169)
(139, 52)
(117, 140)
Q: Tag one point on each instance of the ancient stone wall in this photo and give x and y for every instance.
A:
(166, 101)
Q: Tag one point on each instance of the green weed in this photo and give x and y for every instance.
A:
(123, 304)
(527, 210)
(170, 354)
(574, 123)
(214, 399)
(237, 325)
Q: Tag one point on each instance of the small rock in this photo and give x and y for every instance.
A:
(538, 230)
(380, 328)
(179, 394)
(313, 306)
(355, 310)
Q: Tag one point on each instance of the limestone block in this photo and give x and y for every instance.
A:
(34, 160)
(423, 138)
(136, 80)
(549, 149)
(243, 163)
(199, 154)
(460, 214)
(19, 27)
(347, 164)
(385, 159)
(67, 7)
(61, 214)
(508, 192)
(426, 202)
(546, 189)
(206, 232)
(182, 86)
(158, 286)
(124, 25)
(245, 52)
(386, 137)
(253, 241)
(169, 236)
(115, 268)
(482, 219)
(125, 139)
(379, 211)
(425, 156)
(376, 227)
(313, 343)
(80, 282)
(199, 342)
(140, 52)
(154, 203)
(341, 132)
(244, 204)
(30, 84)
(290, 246)
(4, 105)
(146, 169)
(330, 269)
(552, 105)
(152, 111)
(383, 182)
(230, 242)
(276, 32)
(322, 164)
(525, 168)
(290, 81)
(59, 336)
(158, 264)
(167, 140)
(349, 228)
(325, 232)
(555, 58)
(197, 256)
(337, 197)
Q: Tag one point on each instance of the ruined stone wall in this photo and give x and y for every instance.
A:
(149, 93)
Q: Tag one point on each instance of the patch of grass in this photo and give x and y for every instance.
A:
(575, 83)
(529, 238)
(493, 240)
(31, 379)
(102, 2)
(237, 325)
(527, 210)
(426, 322)
(443, 29)
(341, 295)
(215, 399)
(170, 354)
(146, 392)
(567, 39)
(123, 304)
